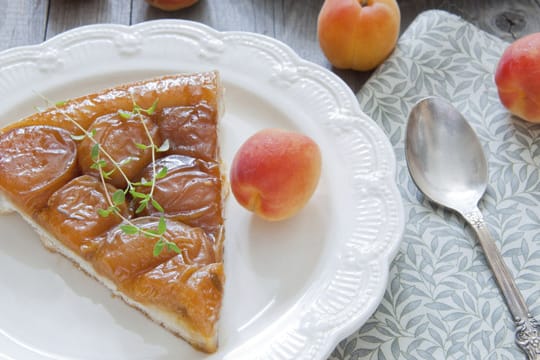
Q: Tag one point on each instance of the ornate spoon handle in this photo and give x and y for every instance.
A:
(527, 328)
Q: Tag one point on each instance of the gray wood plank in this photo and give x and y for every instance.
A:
(67, 14)
(224, 15)
(509, 20)
(493, 16)
(22, 22)
(292, 22)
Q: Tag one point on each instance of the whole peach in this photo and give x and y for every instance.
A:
(275, 172)
(358, 34)
(518, 78)
(171, 5)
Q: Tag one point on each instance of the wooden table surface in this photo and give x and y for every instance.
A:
(25, 22)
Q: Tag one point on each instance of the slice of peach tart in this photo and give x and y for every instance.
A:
(127, 184)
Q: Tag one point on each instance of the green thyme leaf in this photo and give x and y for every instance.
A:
(152, 109)
(104, 213)
(137, 194)
(158, 247)
(141, 146)
(129, 229)
(107, 174)
(145, 182)
(162, 173)
(60, 103)
(172, 246)
(162, 226)
(125, 114)
(118, 197)
(157, 206)
(94, 153)
(164, 147)
(126, 161)
(98, 164)
(78, 137)
(92, 133)
(152, 233)
(142, 205)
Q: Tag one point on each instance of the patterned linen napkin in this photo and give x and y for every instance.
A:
(442, 301)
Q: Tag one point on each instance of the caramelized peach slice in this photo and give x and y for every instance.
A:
(120, 138)
(193, 292)
(72, 214)
(173, 90)
(190, 192)
(122, 256)
(35, 162)
(191, 130)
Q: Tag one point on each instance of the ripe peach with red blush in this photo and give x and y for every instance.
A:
(518, 78)
(275, 173)
(171, 5)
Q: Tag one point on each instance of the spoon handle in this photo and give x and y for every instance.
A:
(527, 328)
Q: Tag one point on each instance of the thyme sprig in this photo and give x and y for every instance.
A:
(100, 156)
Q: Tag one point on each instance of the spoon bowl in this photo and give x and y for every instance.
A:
(447, 163)
(445, 158)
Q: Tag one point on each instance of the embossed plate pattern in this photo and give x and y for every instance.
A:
(294, 288)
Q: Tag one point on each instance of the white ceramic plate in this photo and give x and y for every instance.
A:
(294, 288)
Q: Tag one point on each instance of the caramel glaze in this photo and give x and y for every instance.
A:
(188, 284)
(198, 291)
(50, 177)
(190, 193)
(35, 161)
(122, 257)
(189, 130)
(171, 91)
(119, 138)
(71, 214)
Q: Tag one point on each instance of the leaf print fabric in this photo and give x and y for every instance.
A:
(442, 301)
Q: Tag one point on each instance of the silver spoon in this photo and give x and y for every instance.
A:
(447, 163)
